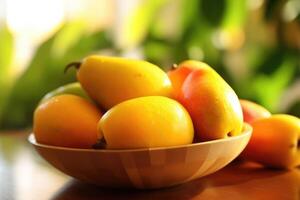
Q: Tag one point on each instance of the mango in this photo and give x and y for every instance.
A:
(146, 122)
(71, 88)
(179, 73)
(211, 102)
(275, 141)
(253, 111)
(111, 80)
(67, 121)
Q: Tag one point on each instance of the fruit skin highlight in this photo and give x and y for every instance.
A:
(253, 111)
(145, 122)
(67, 121)
(111, 80)
(275, 141)
(180, 72)
(210, 101)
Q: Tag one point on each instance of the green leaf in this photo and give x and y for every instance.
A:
(67, 37)
(269, 88)
(138, 23)
(213, 11)
(6, 50)
(189, 13)
(235, 15)
(6, 57)
(159, 53)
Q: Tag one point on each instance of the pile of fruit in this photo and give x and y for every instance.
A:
(121, 103)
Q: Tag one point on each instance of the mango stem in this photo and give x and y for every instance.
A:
(72, 64)
(174, 66)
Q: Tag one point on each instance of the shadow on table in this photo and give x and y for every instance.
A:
(76, 190)
(238, 180)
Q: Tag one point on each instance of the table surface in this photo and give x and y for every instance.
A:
(25, 176)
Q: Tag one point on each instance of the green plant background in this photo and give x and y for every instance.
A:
(261, 61)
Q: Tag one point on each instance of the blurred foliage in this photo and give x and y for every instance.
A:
(254, 45)
(6, 57)
(46, 71)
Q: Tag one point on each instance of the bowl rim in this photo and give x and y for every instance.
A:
(247, 131)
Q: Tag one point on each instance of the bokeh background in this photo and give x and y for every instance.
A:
(253, 44)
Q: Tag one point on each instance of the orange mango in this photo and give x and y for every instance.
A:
(67, 121)
(211, 102)
(275, 141)
(253, 111)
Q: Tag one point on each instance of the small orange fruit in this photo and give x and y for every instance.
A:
(67, 121)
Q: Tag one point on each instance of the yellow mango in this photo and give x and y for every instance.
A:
(145, 122)
(111, 80)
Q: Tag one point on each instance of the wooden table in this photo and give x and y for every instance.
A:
(25, 176)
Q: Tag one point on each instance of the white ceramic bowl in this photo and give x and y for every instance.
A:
(145, 168)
